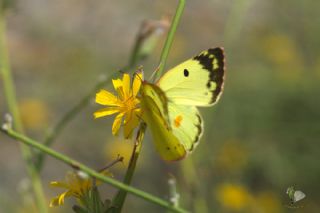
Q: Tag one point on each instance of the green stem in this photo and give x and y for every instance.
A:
(197, 201)
(91, 172)
(121, 196)
(9, 91)
(169, 40)
(235, 22)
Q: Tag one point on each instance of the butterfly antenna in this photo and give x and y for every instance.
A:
(153, 75)
(140, 70)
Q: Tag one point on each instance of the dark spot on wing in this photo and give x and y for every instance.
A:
(185, 73)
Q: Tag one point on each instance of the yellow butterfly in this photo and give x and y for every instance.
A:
(169, 107)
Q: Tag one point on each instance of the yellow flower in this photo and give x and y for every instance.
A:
(126, 104)
(77, 184)
(34, 113)
(233, 197)
(119, 147)
(285, 54)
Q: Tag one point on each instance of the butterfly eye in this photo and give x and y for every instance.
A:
(185, 72)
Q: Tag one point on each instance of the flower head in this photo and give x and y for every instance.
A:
(125, 104)
(77, 186)
(233, 196)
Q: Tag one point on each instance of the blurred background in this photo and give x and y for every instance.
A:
(262, 136)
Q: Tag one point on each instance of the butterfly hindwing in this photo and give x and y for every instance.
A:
(186, 124)
(167, 144)
(197, 81)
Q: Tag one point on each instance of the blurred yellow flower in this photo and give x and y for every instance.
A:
(77, 185)
(233, 196)
(34, 113)
(126, 104)
(119, 147)
(282, 50)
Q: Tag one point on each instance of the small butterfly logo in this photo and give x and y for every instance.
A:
(294, 196)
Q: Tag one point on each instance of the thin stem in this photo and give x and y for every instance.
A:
(121, 196)
(119, 159)
(9, 91)
(197, 201)
(235, 22)
(169, 40)
(91, 172)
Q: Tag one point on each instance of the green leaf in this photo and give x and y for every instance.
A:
(97, 204)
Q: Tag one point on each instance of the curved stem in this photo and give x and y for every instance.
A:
(121, 195)
(91, 172)
(169, 40)
(9, 91)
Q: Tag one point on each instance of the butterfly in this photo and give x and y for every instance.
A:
(169, 106)
(294, 196)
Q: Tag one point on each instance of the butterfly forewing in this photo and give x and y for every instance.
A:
(197, 81)
(298, 195)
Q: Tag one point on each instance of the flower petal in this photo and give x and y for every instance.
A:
(62, 196)
(138, 78)
(117, 83)
(130, 125)
(118, 86)
(54, 202)
(117, 123)
(105, 111)
(59, 200)
(127, 117)
(104, 97)
(59, 184)
(126, 85)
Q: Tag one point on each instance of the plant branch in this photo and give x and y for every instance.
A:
(9, 91)
(121, 195)
(170, 37)
(91, 172)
